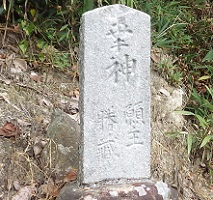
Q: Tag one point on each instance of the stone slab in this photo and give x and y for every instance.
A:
(115, 95)
(139, 191)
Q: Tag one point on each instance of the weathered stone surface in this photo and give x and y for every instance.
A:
(165, 100)
(138, 191)
(64, 135)
(115, 94)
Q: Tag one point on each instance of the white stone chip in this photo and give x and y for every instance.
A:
(113, 193)
(140, 190)
(163, 189)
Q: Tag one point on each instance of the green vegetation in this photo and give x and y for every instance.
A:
(181, 29)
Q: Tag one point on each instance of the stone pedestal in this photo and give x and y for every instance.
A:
(146, 190)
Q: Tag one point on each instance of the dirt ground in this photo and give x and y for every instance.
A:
(28, 96)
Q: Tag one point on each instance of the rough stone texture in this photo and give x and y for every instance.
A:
(138, 191)
(115, 94)
(165, 100)
(64, 134)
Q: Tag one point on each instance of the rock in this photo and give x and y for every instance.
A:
(165, 100)
(61, 153)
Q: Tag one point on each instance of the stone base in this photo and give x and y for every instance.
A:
(136, 191)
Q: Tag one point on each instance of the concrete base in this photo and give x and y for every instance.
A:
(136, 191)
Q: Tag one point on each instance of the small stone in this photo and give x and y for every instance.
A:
(163, 189)
(140, 190)
(113, 193)
(64, 135)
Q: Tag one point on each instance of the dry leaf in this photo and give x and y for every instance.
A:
(71, 176)
(155, 57)
(2, 132)
(9, 127)
(75, 94)
(35, 65)
(17, 27)
(3, 56)
(9, 130)
(49, 189)
(74, 67)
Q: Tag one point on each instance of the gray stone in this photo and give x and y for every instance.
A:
(115, 95)
(61, 154)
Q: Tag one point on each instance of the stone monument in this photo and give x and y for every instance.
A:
(115, 107)
(115, 94)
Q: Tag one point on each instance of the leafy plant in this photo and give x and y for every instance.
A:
(90, 4)
(209, 56)
(201, 141)
(56, 27)
(184, 29)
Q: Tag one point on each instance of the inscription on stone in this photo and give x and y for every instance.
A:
(115, 94)
(119, 31)
(106, 120)
(122, 68)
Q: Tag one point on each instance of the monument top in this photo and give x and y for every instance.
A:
(114, 10)
(115, 95)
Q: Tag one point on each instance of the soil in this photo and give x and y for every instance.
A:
(28, 96)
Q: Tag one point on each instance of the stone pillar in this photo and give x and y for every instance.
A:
(115, 95)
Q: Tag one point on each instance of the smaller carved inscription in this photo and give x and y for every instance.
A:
(119, 31)
(124, 69)
(134, 114)
(105, 150)
(106, 120)
(134, 119)
(135, 137)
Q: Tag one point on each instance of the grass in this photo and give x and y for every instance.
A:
(184, 29)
